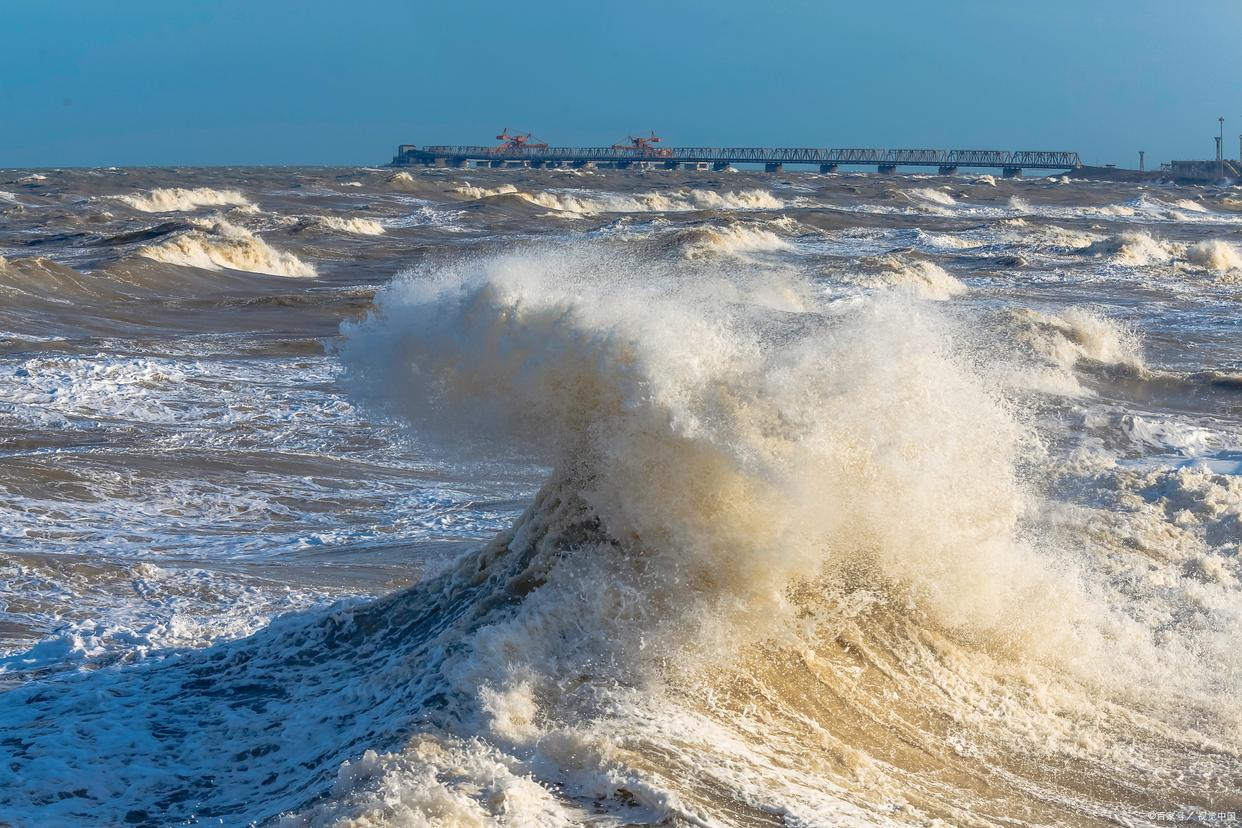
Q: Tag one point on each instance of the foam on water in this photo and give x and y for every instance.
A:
(582, 203)
(808, 546)
(348, 224)
(1216, 255)
(932, 195)
(730, 240)
(178, 199)
(920, 278)
(220, 244)
(1133, 249)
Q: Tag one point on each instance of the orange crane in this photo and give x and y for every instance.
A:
(642, 145)
(515, 142)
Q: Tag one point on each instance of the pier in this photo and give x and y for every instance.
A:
(773, 159)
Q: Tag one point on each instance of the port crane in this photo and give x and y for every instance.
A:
(642, 145)
(515, 142)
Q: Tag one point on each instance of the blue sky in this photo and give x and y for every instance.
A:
(276, 81)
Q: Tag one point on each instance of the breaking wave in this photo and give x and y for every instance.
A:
(176, 199)
(729, 239)
(400, 178)
(739, 483)
(584, 203)
(1149, 208)
(1135, 249)
(934, 196)
(346, 224)
(214, 245)
(1216, 255)
(1142, 249)
(921, 278)
(473, 192)
(1083, 334)
(1046, 349)
(792, 562)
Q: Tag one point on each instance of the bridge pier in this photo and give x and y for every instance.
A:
(582, 165)
(672, 165)
(495, 164)
(720, 166)
(948, 169)
(886, 169)
(827, 168)
(458, 163)
(1011, 172)
(777, 167)
(622, 165)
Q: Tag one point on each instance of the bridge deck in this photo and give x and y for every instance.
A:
(408, 154)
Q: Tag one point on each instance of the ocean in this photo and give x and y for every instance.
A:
(457, 497)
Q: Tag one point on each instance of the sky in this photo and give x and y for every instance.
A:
(186, 82)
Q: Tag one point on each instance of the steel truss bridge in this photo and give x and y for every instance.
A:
(772, 158)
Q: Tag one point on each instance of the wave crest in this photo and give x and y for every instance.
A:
(215, 245)
(591, 203)
(177, 199)
(355, 225)
(1080, 335)
(729, 239)
(702, 439)
(921, 278)
(1216, 255)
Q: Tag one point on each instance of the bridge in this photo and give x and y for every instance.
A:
(773, 159)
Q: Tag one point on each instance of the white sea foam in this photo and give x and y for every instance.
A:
(177, 199)
(1146, 207)
(932, 195)
(219, 244)
(471, 191)
(355, 225)
(1216, 255)
(721, 465)
(585, 202)
(731, 239)
(1052, 346)
(1136, 249)
(807, 541)
(1139, 249)
(429, 217)
(922, 278)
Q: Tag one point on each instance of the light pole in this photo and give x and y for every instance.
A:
(1220, 149)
